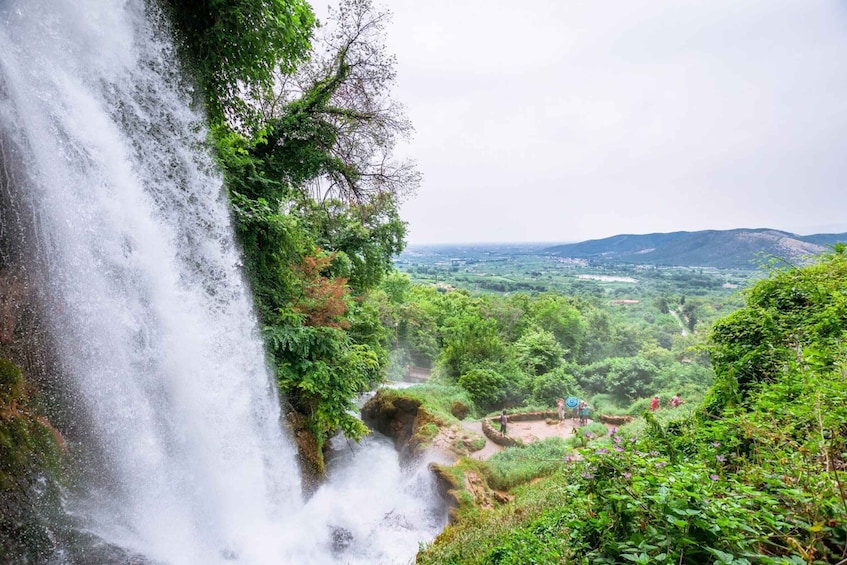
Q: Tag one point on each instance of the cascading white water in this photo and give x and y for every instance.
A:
(155, 325)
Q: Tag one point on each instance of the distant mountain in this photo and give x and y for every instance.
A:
(739, 248)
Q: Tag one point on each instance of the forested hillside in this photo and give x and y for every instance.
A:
(509, 351)
(754, 474)
(740, 248)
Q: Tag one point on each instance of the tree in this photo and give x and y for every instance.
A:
(237, 47)
(551, 386)
(488, 388)
(305, 140)
(630, 378)
(365, 237)
(332, 126)
(471, 342)
(793, 310)
(538, 352)
(558, 316)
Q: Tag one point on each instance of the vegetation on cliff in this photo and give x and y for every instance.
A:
(304, 129)
(29, 447)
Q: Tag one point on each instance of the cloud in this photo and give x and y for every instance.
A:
(567, 120)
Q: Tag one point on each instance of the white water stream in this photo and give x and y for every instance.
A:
(157, 333)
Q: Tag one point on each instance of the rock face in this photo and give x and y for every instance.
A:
(456, 486)
(414, 429)
(615, 420)
(312, 466)
(398, 418)
(28, 497)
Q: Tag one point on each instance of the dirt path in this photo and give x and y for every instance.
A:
(529, 432)
(679, 321)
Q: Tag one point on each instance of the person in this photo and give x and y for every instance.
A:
(560, 405)
(676, 401)
(503, 420)
(583, 412)
(654, 404)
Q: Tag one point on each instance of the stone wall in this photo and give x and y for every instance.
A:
(615, 420)
(491, 426)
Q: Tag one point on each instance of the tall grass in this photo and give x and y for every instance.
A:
(438, 399)
(518, 465)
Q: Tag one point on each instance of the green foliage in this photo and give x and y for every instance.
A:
(236, 46)
(791, 310)
(28, 443)
(757, 480)
(593, 430)
(625, 378)
(323, 372)
(488, 389)
(631, 377)
(629, 503)
(439, 400)
(396, 286)
(551, 386)
(538, 352)
(469, 342)
(517, 465)
(557, 315)
(286, 118)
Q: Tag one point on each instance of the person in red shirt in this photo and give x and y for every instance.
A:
(654, 404)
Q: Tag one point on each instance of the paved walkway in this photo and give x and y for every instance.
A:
(529, 432)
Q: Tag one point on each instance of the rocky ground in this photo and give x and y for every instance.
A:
(528, 432)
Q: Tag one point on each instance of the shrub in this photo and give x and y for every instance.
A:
(439, 400)
(551, 386)
(517, 465)
(487, 388)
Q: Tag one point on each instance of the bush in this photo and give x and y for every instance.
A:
(487, 388)
(551, 386)
(517, 465)
(439, 400)
(640, 406)
(605, 404)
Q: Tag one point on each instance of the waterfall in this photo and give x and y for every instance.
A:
(152, 321)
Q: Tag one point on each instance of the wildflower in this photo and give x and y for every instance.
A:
(716, 444)
(589, 435)
(601, 451)
(617, 439)
(720, 458)
(586, 475)
(618, 448)
(713, 477)
(654, 453)
(626, 475)
(613, 430)
(632, 439)
(660, 464)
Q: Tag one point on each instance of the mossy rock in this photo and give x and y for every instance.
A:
(459, 410)
(30, 451)
(11, 383)
(27, 440)
(309, 452)
(395, 416)
(473, 444)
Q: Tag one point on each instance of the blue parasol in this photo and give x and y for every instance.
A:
(572, 402)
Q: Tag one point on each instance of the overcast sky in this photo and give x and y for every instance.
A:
(567, 120)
